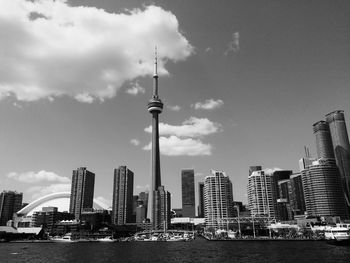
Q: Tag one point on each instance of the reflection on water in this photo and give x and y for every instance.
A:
(196, 251)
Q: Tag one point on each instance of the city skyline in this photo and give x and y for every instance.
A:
(242, 90)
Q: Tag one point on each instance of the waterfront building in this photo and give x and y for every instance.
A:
(296, 195)
(218, 198)
(278, 201)
(261, 194)
(158, 196)
(323, 190)
(10, 203)
(341, 149)
(200, 199)
(82, 191)
(188, 193)
(162, 216)
(123, 202)
(283, 202)
(48, 217)
(324, 145)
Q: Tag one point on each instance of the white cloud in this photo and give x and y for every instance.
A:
(193, 127)
(209, 104)
(233, 45)
(174, 108)
(40, 191)
(135, 142)
(175, 146)
(135, 89)
(50, 49)
(209, 50)
(271, 170)
(36, 177)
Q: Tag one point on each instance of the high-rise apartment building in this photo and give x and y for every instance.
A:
(324, 145)
(10, 203)
(322, 189)
(218, 198)
(254, 169)
(82, 191)
(201, 199)
(261, 194)
(188, 193)
(341, 148)
(123, 202)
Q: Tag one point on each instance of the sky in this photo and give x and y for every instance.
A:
(242, 83)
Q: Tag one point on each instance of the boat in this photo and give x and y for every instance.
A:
(106, 239)
(65, 239)
(338, 235)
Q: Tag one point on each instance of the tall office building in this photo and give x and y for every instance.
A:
(341, 148)
(201, 199)
(296, 197)
(123, 201)
(218, 198)
(162, 216)
(324, 145)
(188, 196)
(155, 107)
(261, 194)
(10, 203)
(82, 191)
(322, 189)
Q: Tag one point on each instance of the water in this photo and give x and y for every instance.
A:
(197, 251)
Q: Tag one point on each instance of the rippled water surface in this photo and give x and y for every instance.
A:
(196, 251)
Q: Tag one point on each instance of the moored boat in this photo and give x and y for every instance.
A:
(338, 235)
(66, 238)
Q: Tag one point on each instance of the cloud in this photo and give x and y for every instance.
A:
(174, 108)
(193, 127)
(208, 50)
(135, 142)
(233, 45)
(143, 187)
(51, 49)
(40, 191)
(41, 176)
(175, 146)
(135, 89)
(271, 170)
(209, 104)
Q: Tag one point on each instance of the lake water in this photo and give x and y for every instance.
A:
(195, 251)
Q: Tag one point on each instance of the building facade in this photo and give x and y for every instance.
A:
(123, 203)
(162, 215)
(10, 203)
(218, 198)
(200, 199)
(82, 191)
(322, 189)
(296, 196)
(188, 193)
(260, 191)
(341, 147)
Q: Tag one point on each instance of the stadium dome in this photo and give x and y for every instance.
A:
(60, 200)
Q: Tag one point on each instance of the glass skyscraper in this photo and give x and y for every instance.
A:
(188, 194)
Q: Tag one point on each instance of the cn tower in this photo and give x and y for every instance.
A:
(155, 107)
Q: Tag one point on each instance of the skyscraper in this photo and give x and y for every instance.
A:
(341, 148)
(218, 198)
(188, 196)
(123, 187)
(201, 199)
(10, 203)
(324, 145)
(261, 194)
(322, 189)
(162, 217)
(297, 199)
(82, 191)
(156, 216)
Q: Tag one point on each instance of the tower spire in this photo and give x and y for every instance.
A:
(155, 74)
